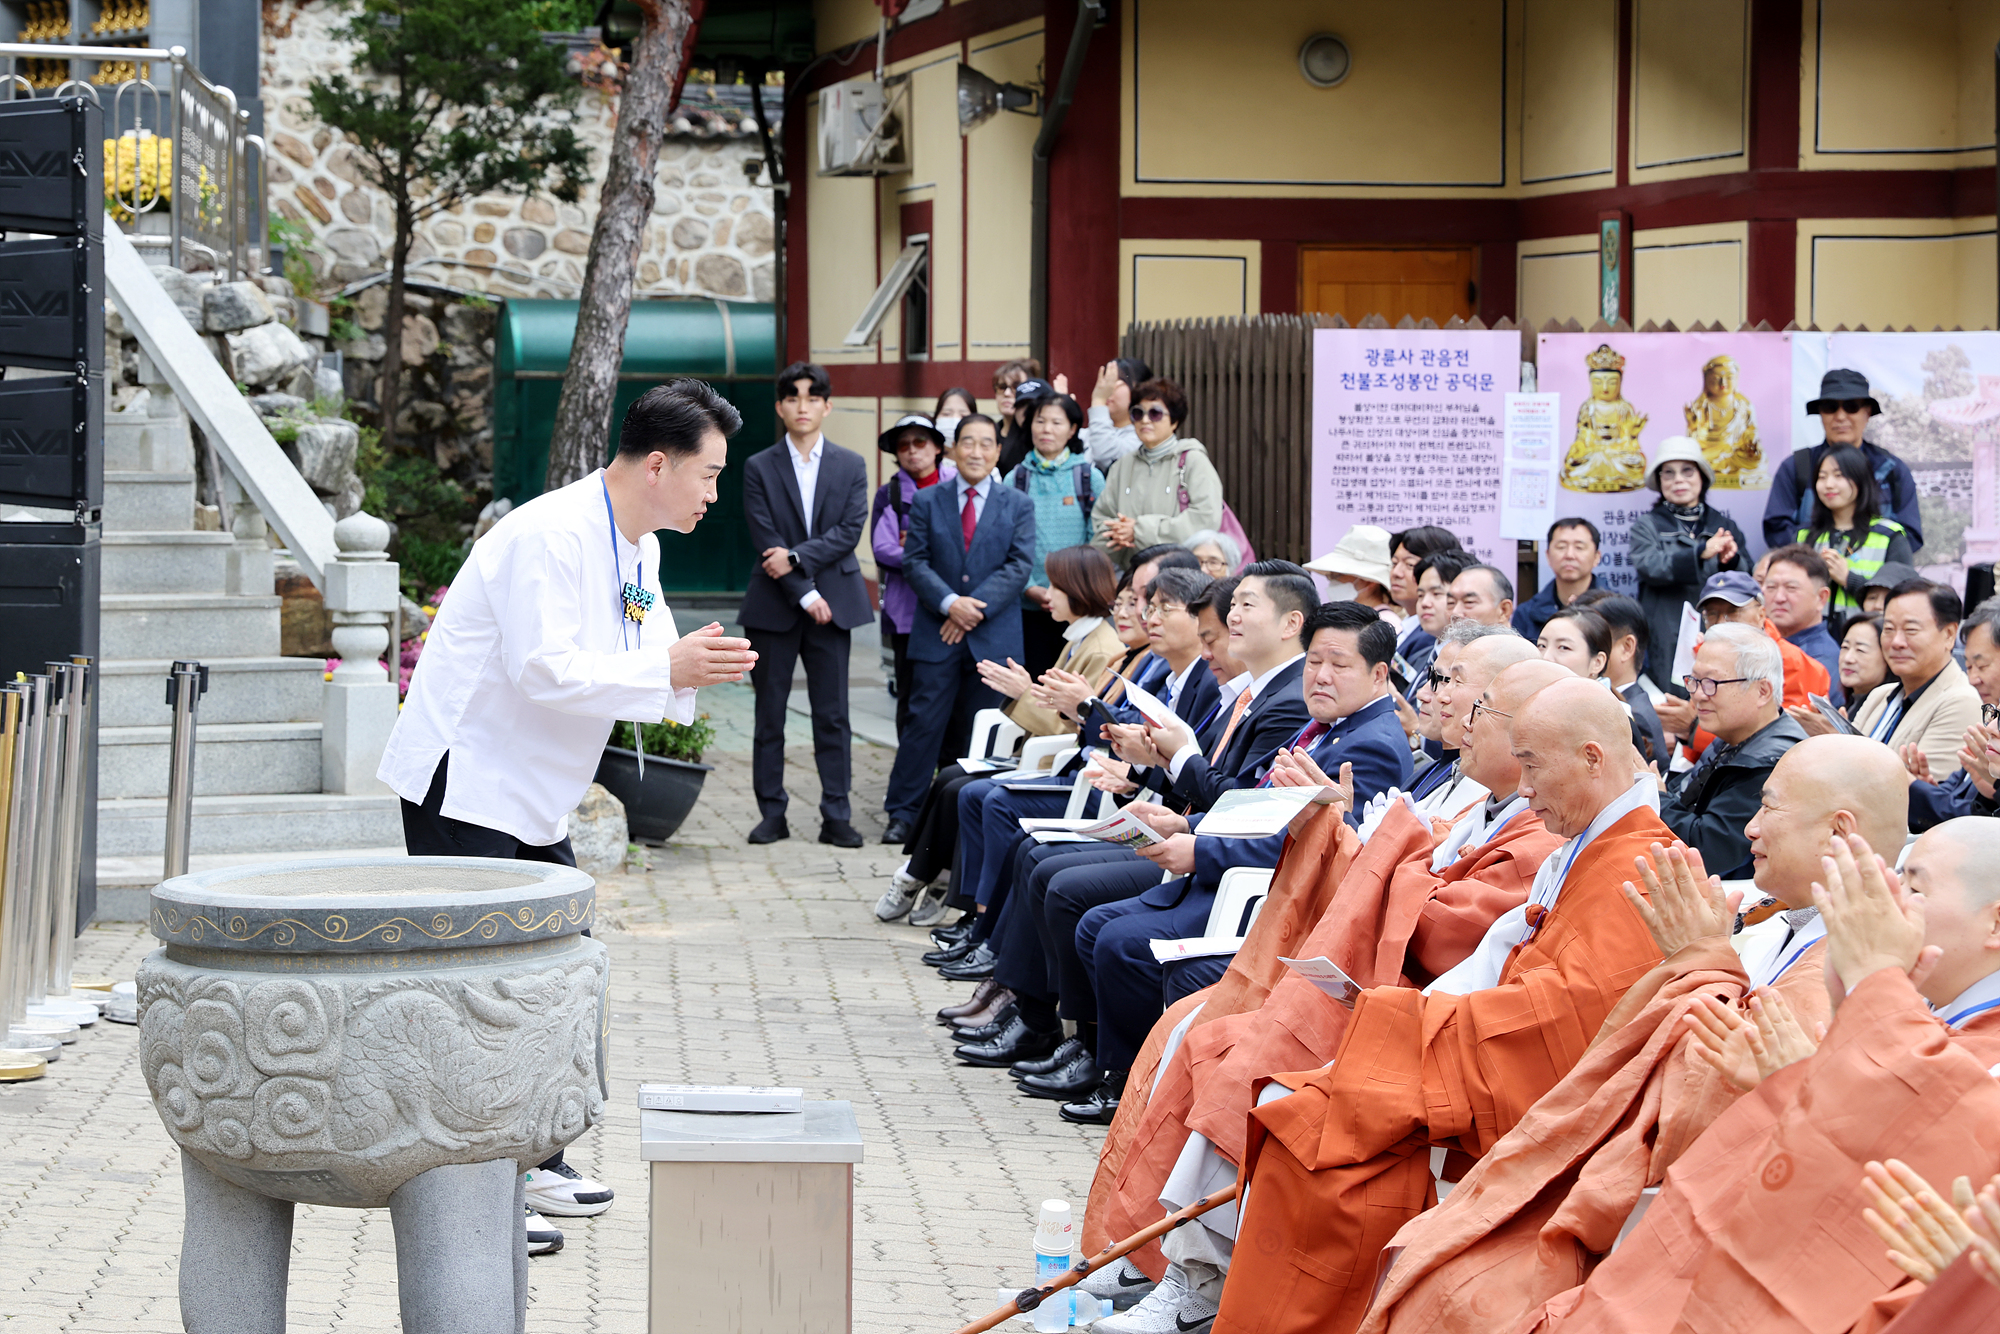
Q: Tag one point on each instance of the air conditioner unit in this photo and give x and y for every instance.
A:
(861, 130)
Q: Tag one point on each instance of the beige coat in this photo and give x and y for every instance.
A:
(1936, 722)
(1087, 657)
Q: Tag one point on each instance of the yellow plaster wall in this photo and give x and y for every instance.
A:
(1897, 271)
(1188, 280)
(1556, 279)
(999, 181)
(1685, 274)
(1690, 80)
(1569, 92)
(1892, 83)
(937, 176)
(840, 219)
(1423, 109)
(839, 22)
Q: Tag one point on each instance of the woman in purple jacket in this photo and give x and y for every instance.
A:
(919, 449)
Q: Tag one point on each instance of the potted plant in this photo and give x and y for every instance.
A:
(656, 804)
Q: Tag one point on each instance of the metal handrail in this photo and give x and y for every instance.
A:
(237, 177)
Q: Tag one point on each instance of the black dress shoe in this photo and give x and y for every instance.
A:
(1075, 1079)
(840, 833)
(980, 963)
(938, 958)
(986, 1032)
(1012, 1043)
(1095, 1110)
(770, 829)
(1055, 1060)
(973, 1004)
(957, 931)
(897, 832)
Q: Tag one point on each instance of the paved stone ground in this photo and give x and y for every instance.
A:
(731, 964)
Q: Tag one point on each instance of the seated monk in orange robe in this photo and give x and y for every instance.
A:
(1548, 1201)
(1759, 1228)
(1413, 904)
(1336, 1167)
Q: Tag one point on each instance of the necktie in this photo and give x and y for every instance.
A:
(968, 519)
(1229, 728)
(1307, 738)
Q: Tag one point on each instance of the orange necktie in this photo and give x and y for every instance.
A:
(1228, 731)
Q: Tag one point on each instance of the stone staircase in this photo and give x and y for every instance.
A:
(171, 592)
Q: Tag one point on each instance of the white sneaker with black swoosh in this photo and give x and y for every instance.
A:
(1172, 1308)
(1122, 1283)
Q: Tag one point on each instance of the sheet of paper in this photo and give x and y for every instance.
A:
(1257, 812)
(1146, 702)
(1125, 829)
(1328, 976)
(1531, 431)
(1040, 824)
(1833, 715)
(1684, 650)
(1194, 947)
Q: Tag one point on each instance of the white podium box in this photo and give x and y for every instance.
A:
(752, 1220)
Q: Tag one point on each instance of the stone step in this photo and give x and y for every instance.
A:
(136, 826)
(230, 759)
(192, 625)
(148, 502)
(240, 690)
(124, 883)
(169, 562)
(136, 442)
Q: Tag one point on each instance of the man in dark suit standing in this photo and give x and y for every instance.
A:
(806, 501)
(970, 551)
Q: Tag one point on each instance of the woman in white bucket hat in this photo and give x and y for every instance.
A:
(1677, 545)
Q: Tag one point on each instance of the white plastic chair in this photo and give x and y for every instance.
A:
(1238, 900)
(993, 733)
(1080, 792)
(1038, 748)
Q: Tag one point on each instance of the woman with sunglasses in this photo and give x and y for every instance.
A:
(1164, 491)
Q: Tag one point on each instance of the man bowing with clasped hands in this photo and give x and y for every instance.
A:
(553, 630)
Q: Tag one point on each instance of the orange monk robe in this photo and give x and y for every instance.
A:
(1759, 1227)
(1309, 869)
(1390, 914)
(1960, 1302)
(1334, 1170)
(1535, 1214)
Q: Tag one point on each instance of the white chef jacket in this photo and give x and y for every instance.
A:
(529, 663)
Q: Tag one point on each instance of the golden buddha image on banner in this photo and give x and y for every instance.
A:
(1724, 423)
(1605, 454)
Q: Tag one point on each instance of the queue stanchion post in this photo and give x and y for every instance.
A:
(49, 858)
(186, 684)
(65, 843)
(22, 1055)
(24, 890)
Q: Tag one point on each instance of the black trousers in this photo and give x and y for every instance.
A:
(943, 700)
(934, 833)
(429, 832)
(1042, 640)
(1036, 945)
(825, 651)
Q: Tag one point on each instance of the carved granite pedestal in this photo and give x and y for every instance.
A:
(412, 1032)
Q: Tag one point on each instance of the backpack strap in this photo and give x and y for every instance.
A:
(1080, 479)
(1180, 480)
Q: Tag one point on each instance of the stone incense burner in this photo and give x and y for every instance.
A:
(409, 1032)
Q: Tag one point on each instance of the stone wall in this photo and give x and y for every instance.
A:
(711, 233)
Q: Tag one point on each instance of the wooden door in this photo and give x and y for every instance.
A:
(1356, 282)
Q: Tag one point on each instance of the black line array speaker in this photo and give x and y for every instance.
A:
(52, 167)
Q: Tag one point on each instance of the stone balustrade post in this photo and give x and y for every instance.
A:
(361, 592)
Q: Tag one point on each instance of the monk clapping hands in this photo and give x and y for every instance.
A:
(1682, 903)
(1297, 768)
(1748, 1049)
(1923, 1233)
(1871, 923)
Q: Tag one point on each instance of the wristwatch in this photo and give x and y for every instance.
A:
(795, 558)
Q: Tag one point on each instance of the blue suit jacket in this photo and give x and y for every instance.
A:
(937, 564)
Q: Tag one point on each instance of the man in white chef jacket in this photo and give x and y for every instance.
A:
(553, 630)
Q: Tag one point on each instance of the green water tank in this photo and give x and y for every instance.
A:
(730, 344)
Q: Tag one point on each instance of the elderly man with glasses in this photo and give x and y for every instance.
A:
(1737, 686)
(1934, 797)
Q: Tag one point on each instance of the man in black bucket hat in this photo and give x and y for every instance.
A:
(1844, 407)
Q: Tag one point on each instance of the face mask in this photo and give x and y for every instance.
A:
(949, 427)
(1339, 592)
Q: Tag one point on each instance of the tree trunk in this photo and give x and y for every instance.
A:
(392, 325)
(583, 418)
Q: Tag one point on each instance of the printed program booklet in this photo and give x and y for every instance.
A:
(1124, 828)
(1327, 975)
(1259, 812)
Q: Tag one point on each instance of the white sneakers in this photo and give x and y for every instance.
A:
(929, 909)
(900, 896)
(567, 1193)
(543, 1237)
(1123, 1284)
(1172, 1308)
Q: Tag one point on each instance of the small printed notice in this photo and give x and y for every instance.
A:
(1328, 976)
(1259, 812)
(1124, 828)
(1690, 636)
(1528, 465)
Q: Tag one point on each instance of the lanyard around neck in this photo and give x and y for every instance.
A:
(633, 599)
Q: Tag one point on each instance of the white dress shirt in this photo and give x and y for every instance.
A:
(1770, 948)
(806, 469)
(1255, 687)
(979, 494)
(529, 663)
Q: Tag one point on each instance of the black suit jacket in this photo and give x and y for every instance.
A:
(775, 513)
(1276, 716)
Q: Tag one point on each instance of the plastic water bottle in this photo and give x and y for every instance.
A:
(1055, 1238)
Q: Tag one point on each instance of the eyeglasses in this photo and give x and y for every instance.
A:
(1156, 413)
(1850, 406)
(1435, 678)
(1706, 687)
(1481, 706)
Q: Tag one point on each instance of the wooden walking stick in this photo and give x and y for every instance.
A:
(1029, 1298)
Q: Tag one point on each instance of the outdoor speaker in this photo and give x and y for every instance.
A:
(51, 167)
(52, 442)
(52, 304)
(49, 583)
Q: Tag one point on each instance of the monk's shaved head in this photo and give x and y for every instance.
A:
(1486, 755)
(1825, 785)
(1477, 664)
(1956, 867)
(1525, 679)
(1574, 743)
(1496, 653)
